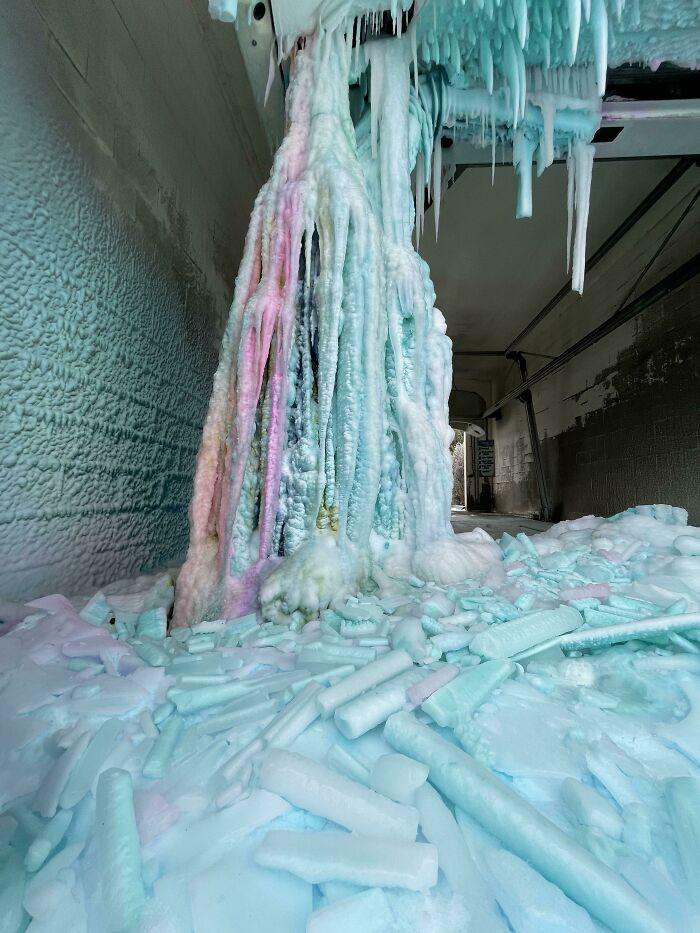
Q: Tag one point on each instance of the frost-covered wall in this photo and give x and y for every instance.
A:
(620, 424)
(120, 231)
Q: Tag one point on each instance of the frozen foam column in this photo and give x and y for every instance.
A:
(337, 856)
(376, 672)
(313, 787)
(458, 699)
(366, 912)
(523, 830)
(508, 638)
(119, 853)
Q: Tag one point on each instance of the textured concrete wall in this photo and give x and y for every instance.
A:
(620, 424)
(126, 180)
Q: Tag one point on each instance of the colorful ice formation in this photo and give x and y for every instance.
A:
(324, 463)
(516, 754)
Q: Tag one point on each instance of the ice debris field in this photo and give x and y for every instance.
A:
(518, 752)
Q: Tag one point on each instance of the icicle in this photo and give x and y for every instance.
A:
(414, 54)
(523, 148)
(599, 27)
(486, 61)
(520, 11)
(574, 11)
(583, 161)
(270, 72)
(437, 182)
(420, 196)
(547, 107)
(493, 142)
(587, 10)
(570, 169)
(512, 73)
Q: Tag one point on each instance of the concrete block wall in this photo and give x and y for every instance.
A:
(126, 181)
(620, 424)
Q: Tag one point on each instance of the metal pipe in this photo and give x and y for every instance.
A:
(540, 477)
(688, 270)
(667, 182)
(464, 467)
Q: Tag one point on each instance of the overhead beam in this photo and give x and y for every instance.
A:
(667, 182)
(684, 273)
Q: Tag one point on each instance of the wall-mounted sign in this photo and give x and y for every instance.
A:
(487, 457)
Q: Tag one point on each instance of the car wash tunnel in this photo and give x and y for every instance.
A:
(349, 466)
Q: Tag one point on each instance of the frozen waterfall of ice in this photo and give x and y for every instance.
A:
(326, 442)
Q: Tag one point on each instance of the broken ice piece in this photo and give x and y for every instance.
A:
(47, 796)
(458, 699)
(339, 856)
(683, 798)
(510, 638)
(428, 685)
(313, 787)
(50, 836)
(153, 623)
(193, 700)
(397, 777)
(97, 610)
(163, 747)
(627, 631)
(588, 807)
(371, 709)
(342, 761)
(86, 770)
(376, 672)
(119, 852)
(523, 830)
(366, 912)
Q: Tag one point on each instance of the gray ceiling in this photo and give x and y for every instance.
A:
(492, 273)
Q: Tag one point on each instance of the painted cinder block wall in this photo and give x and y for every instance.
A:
(125, 187)
(620, 424)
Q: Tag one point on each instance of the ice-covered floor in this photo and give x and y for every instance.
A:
(496, 523)
(540, 725)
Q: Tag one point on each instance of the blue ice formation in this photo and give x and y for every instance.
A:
(321, 778)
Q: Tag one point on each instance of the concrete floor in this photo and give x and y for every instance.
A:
(496, 524)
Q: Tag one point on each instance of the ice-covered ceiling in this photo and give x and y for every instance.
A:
(478, 261)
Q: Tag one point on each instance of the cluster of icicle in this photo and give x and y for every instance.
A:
(327, 436)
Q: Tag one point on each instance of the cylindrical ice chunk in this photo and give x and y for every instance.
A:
(435, 679)
(524, 831)
(163, 747)
(118, 851)
(313, 787)
(338, 856)
(508, 638)
(376, 672)
(626, 631)
(360, 715)
(398, 777)
(194, 700)
(458, 699)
